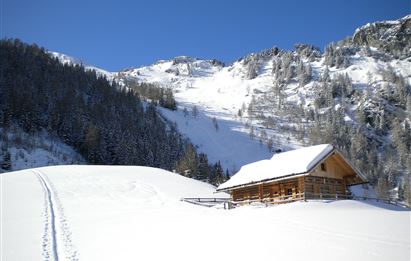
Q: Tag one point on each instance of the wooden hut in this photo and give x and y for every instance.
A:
(319, 171)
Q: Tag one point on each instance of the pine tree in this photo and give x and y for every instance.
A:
(194, 112)
(270, 143)
(240, 113)
(215, 124)
(409, 106)
(227, 175)
(187, 165)
(252, 70)
(407, 189)
(383, 188)
(218, 174)
(401, 138)
(185, 112)
(91, 142)
(203, 167)
(6, 164)
(252, 132)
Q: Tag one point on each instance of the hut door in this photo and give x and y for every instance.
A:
(316, 189)
(294, 191)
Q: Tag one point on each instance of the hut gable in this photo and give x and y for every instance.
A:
(320, 160)
(333, 167)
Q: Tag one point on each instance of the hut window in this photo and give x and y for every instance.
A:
(323, 167)
(325, 189)
(289, 191)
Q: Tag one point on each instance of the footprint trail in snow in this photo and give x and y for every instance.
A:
(57, 244)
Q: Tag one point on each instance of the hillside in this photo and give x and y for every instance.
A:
(22, 150)
(48, 95)
(125, 213)
(356, 95)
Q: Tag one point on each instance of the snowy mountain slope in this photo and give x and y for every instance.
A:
(132, 213)
(389, 36)
(229, 144)
(225, 89)
(26, 150)
(280, 94)
(66, 59)
(217, 92)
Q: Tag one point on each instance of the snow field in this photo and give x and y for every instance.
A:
(135, 213)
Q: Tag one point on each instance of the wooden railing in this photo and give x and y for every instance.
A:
(349, 196)
(388, 201)
(228, 203)
(208, 202)
(308, 195)
(271, 200)
(312, 196)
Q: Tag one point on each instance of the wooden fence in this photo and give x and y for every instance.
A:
(388, 201)
(228, 203)
(207, 202)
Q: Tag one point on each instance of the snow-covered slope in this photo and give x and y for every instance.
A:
(217, 92)
(230, 144)
(389, 36)
(274, 99)
(221, 92)
(134, 213)
(23, 150)
(66, 59)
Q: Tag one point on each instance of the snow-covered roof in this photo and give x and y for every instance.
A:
(294, 162)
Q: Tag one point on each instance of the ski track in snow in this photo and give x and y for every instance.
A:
(57, 244)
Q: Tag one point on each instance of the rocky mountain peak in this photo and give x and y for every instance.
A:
(392, 37)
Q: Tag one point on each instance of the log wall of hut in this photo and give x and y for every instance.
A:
(322, 187)
(291, 187)
(300, 187)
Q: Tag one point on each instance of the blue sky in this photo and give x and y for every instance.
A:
(124, 33)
